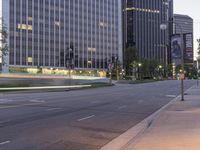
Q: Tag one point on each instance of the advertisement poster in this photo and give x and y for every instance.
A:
(188, 40)
(176, 47)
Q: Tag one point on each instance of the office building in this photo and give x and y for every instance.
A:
(50, 34)
(183, 24)
(141, 28)
(186, 23)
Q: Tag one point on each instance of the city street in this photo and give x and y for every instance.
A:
(79, 120)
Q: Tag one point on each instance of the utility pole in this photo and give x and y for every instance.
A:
(116, 67)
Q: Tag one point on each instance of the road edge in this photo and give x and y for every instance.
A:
(125, 139)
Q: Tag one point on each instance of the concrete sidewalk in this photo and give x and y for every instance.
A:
(176, 128)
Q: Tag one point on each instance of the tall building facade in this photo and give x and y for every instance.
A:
(184, 24)
(141, 27)
(47, 33)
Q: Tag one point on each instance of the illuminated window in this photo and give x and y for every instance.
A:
(57, 23)
(30, 27)
(24, 27)
(91, 49)
(29, 59)
(89, 62)
(103, 24)
(130, 9)
(30, 18)
(143, 10)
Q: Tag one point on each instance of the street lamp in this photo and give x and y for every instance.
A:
(139, 66)
(164, 27)
(160, 67)
(110, 67)
(182, 76)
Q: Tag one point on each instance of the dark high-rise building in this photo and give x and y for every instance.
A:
(184, 24)
(47, 33)
(183, 21)
(141, 27)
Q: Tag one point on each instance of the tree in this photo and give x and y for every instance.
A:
(3, 43)
(130, 57)
(198, 50)
(150, 68)
(117, 70)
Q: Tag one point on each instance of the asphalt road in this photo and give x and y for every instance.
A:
(79, 120)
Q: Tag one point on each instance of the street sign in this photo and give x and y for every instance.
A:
(182, 76)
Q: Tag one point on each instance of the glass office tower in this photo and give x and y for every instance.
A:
(141, 27)
(47, 33)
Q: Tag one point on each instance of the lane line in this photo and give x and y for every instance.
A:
(122, 107)
(51, 109)
(16, 106)
(85, 118)
(3, 101)
(37, 101)
(6, 142)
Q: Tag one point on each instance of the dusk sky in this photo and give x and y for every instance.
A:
(191, 8)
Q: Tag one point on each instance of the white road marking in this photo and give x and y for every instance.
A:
(122, 107)
(37, 101)
(85, 118)
(95, 102)
(3, 101)
(6, 107)
(51, 109)
(6, 142)
(172, 96)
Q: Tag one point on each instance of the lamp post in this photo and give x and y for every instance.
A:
(160, 67)
(164, 27)
(139, 66)
(110, 67)
(182, 64)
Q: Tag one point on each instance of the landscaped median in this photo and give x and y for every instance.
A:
(137, 81)
(143, 81)
(51, 88)
(44, 87)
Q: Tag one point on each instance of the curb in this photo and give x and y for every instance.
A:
(124, 140)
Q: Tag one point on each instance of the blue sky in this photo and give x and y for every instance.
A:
(191, 8)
